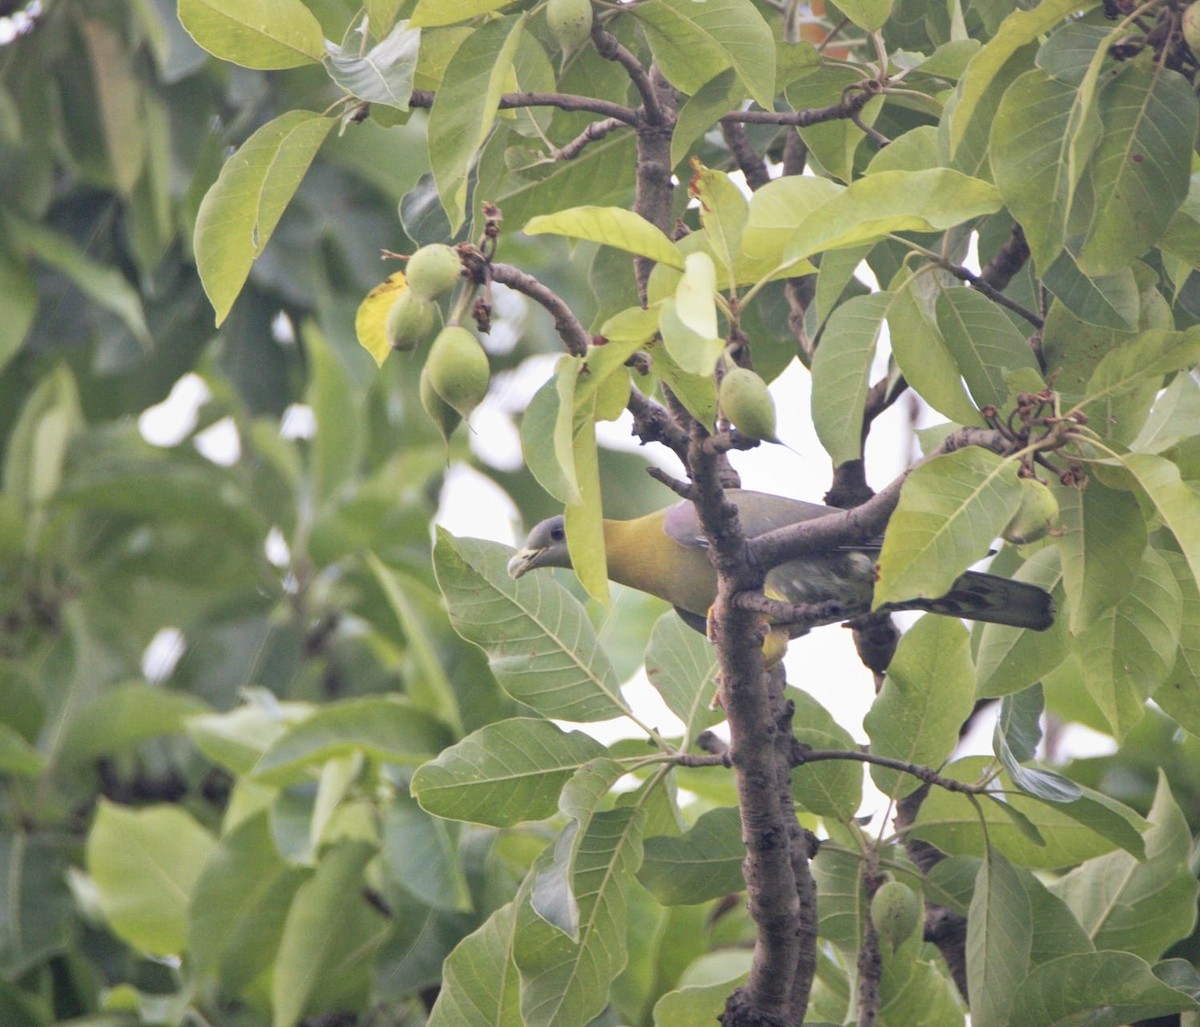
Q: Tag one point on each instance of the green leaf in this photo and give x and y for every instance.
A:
(238, 738)
(337, 445)
(480, 982)
(1127, 652)
(240, 212)
(17, 756)
(1104, 989)
(431, 13)
(921, 351)
(1070, 832)
(420, 854)
(145, 864)
(695, 352)
(889, 202)
(832, 788)
(950, 510)
(430, 689)
(867, 14)
(1042, 135)
(547, 431)
(985, 344)
(262, 34)
(1140, 170)
(539, 642)
(1173, 417)
(125, 716)
(698, 112)
(1015, 740)
(39, 914)
(682, 667)
(1107, 301)
(1102, 537)
(703, 864)
(840, 370)
(241, 901)
(552, 893)
(331, 929)
(118, 94)
(693, 43)
(724, 212)
(389, 728)
(583, 517)
(504, 773)
(384, 74)
(18, 293)
(1139, 906)
(465, 107)
(778, 209)
(832, 145)
(1176, 503)
(563, 981)
(843, 907)
(610, 226)
(999, 940)
(1179, 695)
(928, 692)
(102, 283)
(1018, 29)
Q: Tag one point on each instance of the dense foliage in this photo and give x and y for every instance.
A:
(268, 762)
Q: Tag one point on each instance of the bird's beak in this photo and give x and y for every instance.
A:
(523, 560)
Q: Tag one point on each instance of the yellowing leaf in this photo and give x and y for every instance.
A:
(371, 317)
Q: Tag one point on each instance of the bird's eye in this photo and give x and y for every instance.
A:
(557, 534)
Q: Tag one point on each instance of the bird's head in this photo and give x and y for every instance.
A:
(546, 546)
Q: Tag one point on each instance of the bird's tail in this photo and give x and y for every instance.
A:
(987, 597)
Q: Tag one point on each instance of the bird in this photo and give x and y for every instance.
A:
(664, 553)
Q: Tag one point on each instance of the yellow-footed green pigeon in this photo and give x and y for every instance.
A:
(663, 553)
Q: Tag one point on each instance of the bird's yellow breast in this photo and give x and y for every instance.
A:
(643, 556)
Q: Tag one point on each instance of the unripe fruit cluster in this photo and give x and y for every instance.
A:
(431, 273)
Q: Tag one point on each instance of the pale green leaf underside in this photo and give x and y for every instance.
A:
(540, 643)
(610, 226)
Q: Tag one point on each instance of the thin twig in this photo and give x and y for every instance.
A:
(962, 274)
(595, 131)
(930, 776)
(424, 98)
(802, 119)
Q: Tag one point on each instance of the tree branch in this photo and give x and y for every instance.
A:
(424, 98)
(596, 130)
(652, 422)
(748, 161)
(1007, 261)
(802, 119)
(575, 337)
(610, 48)
(860, 524)
(761, 767)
